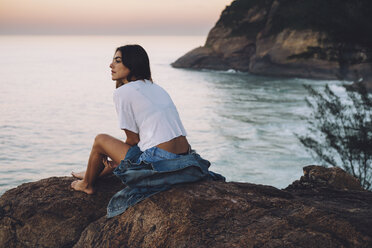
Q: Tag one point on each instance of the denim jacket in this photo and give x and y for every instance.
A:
(146, 179)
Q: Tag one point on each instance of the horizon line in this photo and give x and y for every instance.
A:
(72, 34)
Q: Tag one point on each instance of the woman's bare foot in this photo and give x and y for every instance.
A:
(78, 175)
(80, 185)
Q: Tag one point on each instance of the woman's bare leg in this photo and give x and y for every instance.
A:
(104, 145)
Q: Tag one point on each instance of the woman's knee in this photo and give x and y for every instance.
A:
(101, 139)
(110, 146)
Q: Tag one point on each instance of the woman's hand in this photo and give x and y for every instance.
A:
(109, 163)
(132, 138)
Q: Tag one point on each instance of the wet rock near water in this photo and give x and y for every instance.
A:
(325, 208)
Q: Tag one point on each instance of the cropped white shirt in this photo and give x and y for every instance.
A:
(146, 108)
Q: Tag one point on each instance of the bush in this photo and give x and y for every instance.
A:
(340, 130)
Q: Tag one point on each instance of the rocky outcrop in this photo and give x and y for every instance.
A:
(48, 213)
(318, 177)
(325, 208)
(310, 39)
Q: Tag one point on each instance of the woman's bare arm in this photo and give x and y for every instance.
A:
(132, 138)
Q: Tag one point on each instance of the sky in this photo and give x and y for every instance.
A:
(110, 17)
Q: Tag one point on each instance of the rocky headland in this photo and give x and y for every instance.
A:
(324, 208)
(311, 39)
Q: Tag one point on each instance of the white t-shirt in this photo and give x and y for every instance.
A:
(146, 108)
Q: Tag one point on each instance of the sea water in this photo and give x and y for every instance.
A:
(56, 96)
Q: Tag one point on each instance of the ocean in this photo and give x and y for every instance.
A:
(56, 96)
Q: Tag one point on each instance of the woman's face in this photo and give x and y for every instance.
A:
(118, 70)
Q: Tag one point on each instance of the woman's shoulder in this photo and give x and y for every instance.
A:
(125, 89)
(123, 93)
(134, 90)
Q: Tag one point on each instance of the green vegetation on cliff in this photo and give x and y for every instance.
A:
(345, 21)
(234, 17)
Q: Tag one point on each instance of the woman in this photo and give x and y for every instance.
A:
(147, 115)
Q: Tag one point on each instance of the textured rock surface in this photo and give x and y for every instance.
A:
(325, 208)
(48, 213)
(322, 177)
(311, 39)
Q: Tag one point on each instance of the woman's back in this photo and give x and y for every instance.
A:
(146, 108)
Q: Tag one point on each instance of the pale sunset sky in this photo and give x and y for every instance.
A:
(111, 17)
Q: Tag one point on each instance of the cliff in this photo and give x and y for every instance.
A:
(325, 208)
(311, 39)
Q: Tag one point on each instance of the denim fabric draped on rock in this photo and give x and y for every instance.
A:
(143, 179)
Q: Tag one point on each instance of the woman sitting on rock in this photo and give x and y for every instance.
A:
(156, 153)
(146, 113)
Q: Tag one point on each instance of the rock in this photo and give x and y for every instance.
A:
(324, 213)
(366, 83)
(322, 177)
(201, 58)
(48, 213)
(228, 47)
(314, 39)
(276, 56)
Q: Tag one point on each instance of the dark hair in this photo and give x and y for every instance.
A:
(135, 58)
